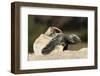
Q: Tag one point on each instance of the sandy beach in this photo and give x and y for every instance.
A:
(67, 54)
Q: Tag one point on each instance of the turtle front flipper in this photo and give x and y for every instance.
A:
(52, 44)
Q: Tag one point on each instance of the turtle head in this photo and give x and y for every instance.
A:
(74, 39)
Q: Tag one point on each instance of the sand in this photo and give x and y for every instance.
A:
(67, 54)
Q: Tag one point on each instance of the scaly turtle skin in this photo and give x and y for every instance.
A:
(61, 39)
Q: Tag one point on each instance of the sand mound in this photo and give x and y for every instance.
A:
(67, 54)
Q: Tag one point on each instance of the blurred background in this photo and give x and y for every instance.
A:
(38, 24)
